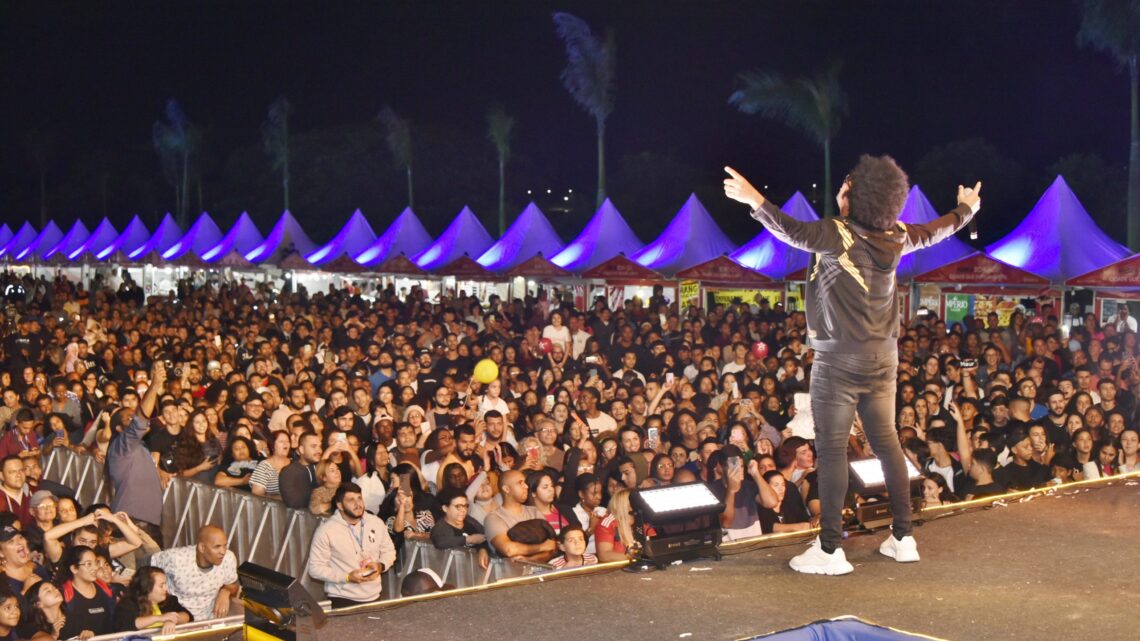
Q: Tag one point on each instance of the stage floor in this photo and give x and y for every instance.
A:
(1052, 568)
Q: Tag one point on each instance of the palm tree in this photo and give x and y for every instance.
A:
(275, 136)
(1113, 26)
(175, 140)
(399, 137)
(499, 126)
(815, 105)
(589, 77)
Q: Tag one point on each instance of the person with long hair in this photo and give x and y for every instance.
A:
(44, 617)
(614, 535)
(543, 496)
(238, 464)
(852, 320)
(329, 478)
(196, 450)
(935, 491)
(1128, 460)
(264, 480)
(89, 603)
(9, 615)
(147, 604)
(409, 510)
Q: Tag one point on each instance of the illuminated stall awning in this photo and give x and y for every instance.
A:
(286, 237)
(399, 265)
(200, 238)
(772, 257)
(134, 235)
(691, 238)
(538, 267)
(723, 271)
(464, 236)
(48, 237)
(466, 268)
(103, 235)
(605, 236)
(1058, 239)
(244, 237)
(406, 235)
(918, 210)
(353, 238)
(531, 234)
(1122, 275)
(165, 236)
(621, 269)
(980, 269)
(72, 240)
(19, 241)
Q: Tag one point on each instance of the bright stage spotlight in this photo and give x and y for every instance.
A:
(685, 518)
(868, 480)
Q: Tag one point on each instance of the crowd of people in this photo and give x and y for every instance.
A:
(367, 411)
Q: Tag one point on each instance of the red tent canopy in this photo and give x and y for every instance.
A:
(343, 265)
(726, 272)
(295, 261)
(1121, 274)
(538, 267)
(399, 264)
(465, 268)
(980, 269)
(622, 269)
(234, 259)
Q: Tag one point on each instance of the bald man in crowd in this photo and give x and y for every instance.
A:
(203, 576)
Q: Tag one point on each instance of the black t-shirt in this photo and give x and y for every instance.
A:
(96, 614)
(161, 441)
(791, 510)
(1016, 477)
(744, 503)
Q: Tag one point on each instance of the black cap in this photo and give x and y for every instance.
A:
(8, 533)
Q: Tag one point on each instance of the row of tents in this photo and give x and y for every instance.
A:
(1057, 244)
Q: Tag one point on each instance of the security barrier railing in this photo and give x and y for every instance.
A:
(267, 533)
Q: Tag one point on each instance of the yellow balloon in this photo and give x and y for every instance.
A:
(486, 371)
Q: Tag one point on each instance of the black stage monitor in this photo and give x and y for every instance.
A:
(277, 606)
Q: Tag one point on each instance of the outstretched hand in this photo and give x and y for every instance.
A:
(970, 196)
(739, 189)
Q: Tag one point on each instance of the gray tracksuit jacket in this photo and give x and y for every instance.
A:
(852, 298)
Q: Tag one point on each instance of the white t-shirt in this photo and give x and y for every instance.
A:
(603, 423)
(195, 588)
(560, 335)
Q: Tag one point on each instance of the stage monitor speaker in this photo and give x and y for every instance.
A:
(277, 606)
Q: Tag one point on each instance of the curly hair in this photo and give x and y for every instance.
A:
(878, 190)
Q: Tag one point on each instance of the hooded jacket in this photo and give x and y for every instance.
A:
(852, 296)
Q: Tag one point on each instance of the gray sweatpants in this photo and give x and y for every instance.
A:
(840, 384)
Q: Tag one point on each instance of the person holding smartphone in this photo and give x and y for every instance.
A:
(852, 311)
(351, 551)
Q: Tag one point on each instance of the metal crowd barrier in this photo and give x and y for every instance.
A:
(266, 532)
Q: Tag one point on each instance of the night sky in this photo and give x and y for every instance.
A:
(917, 75)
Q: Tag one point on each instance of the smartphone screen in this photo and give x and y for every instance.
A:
(549, 402)
(654, 433)
(735, 464)
(669, 378)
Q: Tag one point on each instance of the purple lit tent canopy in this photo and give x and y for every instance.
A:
(48, 237)
(605, 236)
(917, 210)
(242, 238)
(72, 240)
(164, 237)
(202, 235)
(286, 237)
(692, 238)
(5, 234)
(1058, 239)
(530, 235)
(134, 236)
(771, 257)
(464, 236)
(406, 235)
(353, 238)
(103, 235)
(19, 241)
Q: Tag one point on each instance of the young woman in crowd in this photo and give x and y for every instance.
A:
(147, 604)
(89, 604)
(263, 481)
(238, 464)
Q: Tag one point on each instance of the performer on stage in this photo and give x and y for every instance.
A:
(853, 325)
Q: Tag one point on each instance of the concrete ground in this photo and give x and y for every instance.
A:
(1056, 567)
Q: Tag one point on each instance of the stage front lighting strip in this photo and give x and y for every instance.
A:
(680, 497)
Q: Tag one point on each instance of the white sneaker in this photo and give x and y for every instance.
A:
(816, 561)
(904, 551)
